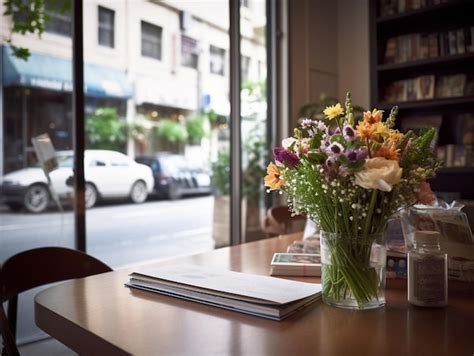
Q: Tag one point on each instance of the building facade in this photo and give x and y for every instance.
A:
(159, 59)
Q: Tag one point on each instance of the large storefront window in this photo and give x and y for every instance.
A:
(157, 132)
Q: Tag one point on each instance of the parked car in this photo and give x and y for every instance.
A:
(175, 177)
(108, 174)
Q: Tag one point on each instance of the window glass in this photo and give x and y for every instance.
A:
(189, 52)
(59, 17)
(151, 40)
(217, 60)
(245, 67)
(106, 27)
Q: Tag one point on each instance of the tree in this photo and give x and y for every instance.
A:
(105, 130)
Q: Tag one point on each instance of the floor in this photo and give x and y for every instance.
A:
(48, 347)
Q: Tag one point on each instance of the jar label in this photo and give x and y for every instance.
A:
(429, 280)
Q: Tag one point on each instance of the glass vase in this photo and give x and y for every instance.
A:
(353, 270)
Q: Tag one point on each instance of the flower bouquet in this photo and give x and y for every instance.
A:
(350, 178)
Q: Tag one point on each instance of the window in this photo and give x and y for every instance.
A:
(189, 52)
(151, 40)
(106, 27)
(245, 67)
(59, 17)
(217, 60)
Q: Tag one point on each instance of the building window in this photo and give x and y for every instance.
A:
(217, 60)
(244, 3)
(151, 40)
(189, 52)
(59, 20)
(106, 27)
(245, 67)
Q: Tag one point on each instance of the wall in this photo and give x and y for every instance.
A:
(329, 51)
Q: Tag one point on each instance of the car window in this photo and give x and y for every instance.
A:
(118, 160)
(173, 164)
(65, 161)
(97, 163)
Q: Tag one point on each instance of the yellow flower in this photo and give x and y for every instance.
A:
(333, 111)
(394, 136)
(381, 130)
(373, 117)
(273, 179)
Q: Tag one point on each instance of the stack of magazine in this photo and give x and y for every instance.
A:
(264, 296)
(296, 264)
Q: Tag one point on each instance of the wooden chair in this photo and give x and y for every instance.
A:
(33, 268)
(280, 221)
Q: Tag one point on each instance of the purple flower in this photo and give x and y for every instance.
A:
(335, 149)
(362, 153)
(321, 126)
(351, 155)
(349, 133)
(286, 157)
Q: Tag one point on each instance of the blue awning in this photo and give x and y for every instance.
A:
(54, 73)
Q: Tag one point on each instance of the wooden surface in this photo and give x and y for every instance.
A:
(99, 315)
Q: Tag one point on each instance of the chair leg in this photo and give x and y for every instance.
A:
(9, 344)
(12, 314)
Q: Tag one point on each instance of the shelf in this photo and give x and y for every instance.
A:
(444, 60)
(454, 179)
(428, 104)
(456, 170)
(423, 11)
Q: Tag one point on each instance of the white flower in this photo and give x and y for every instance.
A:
(379, 173)
(287, 142)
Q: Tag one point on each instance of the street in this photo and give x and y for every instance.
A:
(118, 234)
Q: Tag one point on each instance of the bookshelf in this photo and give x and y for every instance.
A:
(422, 60)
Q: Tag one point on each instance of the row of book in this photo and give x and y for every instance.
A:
(393, 7)
(416, 46)
(456, 155)
(429, 87)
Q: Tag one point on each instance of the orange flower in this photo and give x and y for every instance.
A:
(366, 130)
(387, 152)
(273, 179)
(373, 117)
(394, 136)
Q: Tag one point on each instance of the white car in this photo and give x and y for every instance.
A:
(108, 174)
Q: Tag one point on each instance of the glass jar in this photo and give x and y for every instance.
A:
(427, 271)
(353, 270)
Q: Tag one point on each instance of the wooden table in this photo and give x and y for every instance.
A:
(98, 315)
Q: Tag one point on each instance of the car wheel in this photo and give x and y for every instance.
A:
(138, 194)
(174, 192)
(91, 195)
(14, 206)
(36, 198)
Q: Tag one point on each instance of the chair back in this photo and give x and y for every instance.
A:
(279, 220)
(33, 268)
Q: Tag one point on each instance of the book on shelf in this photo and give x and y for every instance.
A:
(454, 155)
(448, 86)
(296, 264)
(417, 46)
(263, 296)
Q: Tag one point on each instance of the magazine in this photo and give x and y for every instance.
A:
(296, 264)
(264, 296)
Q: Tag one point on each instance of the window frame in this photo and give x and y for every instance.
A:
(148, 40)
(107, 27)
(218, 51)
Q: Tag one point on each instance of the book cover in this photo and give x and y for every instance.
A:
(425, 87)
(263, 296)
(433, 45)
(453, 42)
(410, 89)
(424, 43)
(460, 44)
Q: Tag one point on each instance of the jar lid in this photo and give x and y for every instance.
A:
(425, 236)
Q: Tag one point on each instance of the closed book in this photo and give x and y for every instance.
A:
(264, 296)
(449, 155)
(433, 45)
(469, 38)
(460, 41)
(453, 42)
(424, 49)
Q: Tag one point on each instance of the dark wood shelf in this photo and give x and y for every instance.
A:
(448, 16)
(444, 60)
(420, 12)
(428, 104)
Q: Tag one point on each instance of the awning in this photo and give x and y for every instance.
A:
(54, 73)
